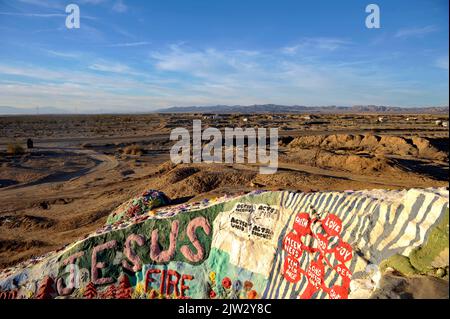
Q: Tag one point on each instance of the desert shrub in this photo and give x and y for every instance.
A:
(15, 149)
(133, 150)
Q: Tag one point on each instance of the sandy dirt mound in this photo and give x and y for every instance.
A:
(26, 221)
(180, 173)
(386, 145)
(352, 163)
(20, 175)
(393, 145)
(427, 150)
(368, 154)
(191, 180)
(18, 245)
(187, 180)
(300, 181)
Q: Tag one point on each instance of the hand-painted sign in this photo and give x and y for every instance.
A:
(323, 232)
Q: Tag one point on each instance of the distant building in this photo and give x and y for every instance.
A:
(29, 143)
(211, 116)
(445, 124)
(438, 122)
(380, 119)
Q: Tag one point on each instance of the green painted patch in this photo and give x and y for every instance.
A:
(420, 260)
(438, 241)
(399, 263)
(113, 257)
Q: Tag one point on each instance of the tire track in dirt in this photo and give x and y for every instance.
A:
(103, 163)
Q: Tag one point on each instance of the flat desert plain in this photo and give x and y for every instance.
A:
(83, 166)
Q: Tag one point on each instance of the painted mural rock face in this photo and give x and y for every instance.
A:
(261, 245)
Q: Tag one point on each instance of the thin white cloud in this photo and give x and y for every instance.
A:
(70, 55)
(39, 15)
(308, 44)
(442, 62)
(89, 79)
(416, 31)
(43, 15)
(119, 6)
(130, 44)
(112, 67)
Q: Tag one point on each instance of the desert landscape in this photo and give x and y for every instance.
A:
(84, 166)
(227, 150)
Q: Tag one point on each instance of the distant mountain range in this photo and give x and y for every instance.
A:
(50, 110)
(9, 110)
(257, 108)
(274, 108)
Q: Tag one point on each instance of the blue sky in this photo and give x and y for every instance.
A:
(144, 55)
